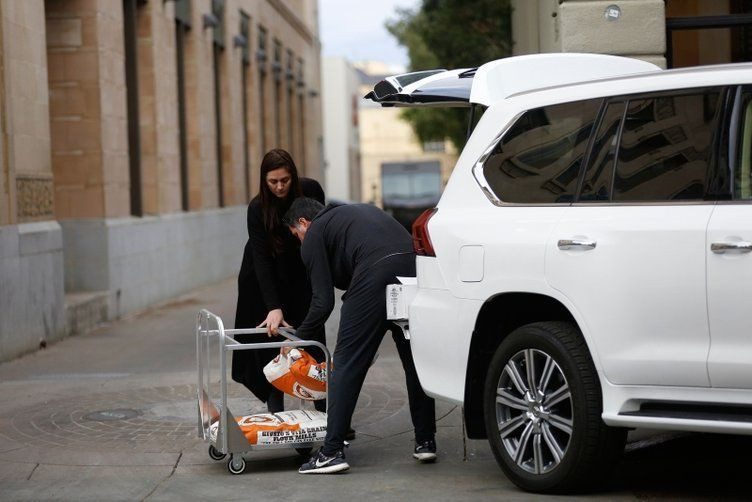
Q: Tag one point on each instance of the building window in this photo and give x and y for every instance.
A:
(277, 70)
(218, 10)
(130, 13)
(245, 28)
(290, 80)
(433, 146)
(301, 111)
(182, 25)
(261, 57)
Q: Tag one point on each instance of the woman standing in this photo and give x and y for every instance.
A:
(273, 288)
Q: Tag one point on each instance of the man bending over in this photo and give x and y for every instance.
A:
(361, 249)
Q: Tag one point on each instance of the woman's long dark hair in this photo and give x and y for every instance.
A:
(272, 207)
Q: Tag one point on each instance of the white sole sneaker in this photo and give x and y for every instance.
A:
(425, 457)
(328, 469)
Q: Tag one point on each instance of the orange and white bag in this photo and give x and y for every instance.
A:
(298, 374)
(297, 426)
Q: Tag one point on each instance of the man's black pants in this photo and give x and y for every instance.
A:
(361, 329)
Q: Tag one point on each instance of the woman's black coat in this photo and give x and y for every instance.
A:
(269, 280)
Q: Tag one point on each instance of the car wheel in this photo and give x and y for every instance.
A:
(542, 407)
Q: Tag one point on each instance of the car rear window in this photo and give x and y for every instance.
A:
(538, 160)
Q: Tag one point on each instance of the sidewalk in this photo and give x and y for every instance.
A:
(111, 416)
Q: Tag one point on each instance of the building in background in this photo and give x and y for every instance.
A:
(669, 33)
(398, 173)
(340, 84)
(131, 133)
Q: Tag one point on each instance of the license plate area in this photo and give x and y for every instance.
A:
(398, 299)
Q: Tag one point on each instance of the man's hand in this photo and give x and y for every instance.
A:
(285, 350)
(273, 321)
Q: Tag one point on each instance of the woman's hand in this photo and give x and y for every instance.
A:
(273, 321)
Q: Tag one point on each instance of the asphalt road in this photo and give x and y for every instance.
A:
(111, 415)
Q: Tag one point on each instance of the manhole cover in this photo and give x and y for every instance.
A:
(112, 415)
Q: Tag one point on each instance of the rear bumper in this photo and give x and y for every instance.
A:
(440, 331)
(440, 328)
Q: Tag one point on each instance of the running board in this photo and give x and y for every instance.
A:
(693, 411)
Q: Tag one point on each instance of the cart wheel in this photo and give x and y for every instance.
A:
(304, 452)
(236, 464)
(215, 454)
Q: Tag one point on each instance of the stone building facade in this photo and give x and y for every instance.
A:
(668, 33)
(637, 29)
(131, 132)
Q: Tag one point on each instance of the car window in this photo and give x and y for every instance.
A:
(743, 171)
(538, 160)
(665, 147)
(600, 171)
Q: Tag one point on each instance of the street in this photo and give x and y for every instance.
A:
(111, 415)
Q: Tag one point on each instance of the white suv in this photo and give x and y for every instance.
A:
(588, 267)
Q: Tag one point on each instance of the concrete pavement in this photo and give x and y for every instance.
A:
(111, 416)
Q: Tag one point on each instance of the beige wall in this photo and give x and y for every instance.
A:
(81, 132)
(87, 109)
(158, 109)
(385, 137)
(26, 190)
(64, 141)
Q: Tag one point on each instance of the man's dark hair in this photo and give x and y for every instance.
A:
(302, 207)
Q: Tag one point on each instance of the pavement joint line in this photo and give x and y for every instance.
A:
(398, 434)
(369, 435)
(407, 431)
(442, 417)
(174, 468)
(12, 449)
(32, 472)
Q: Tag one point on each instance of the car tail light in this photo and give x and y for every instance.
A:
(421, 239)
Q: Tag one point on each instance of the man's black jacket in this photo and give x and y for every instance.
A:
(342, 242)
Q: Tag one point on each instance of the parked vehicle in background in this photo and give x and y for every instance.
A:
(588, 265)
(409, 188)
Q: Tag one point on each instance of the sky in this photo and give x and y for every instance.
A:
(355, 30)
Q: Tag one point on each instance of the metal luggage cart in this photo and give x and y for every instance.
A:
(213, 344)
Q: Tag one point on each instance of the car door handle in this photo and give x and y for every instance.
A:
(722, 247)
(585, 245)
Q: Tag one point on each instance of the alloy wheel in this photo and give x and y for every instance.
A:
(534, 411)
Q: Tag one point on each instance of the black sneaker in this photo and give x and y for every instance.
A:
(322, 464)
(425, 451)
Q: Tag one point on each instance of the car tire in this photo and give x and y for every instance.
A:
(551, 440)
